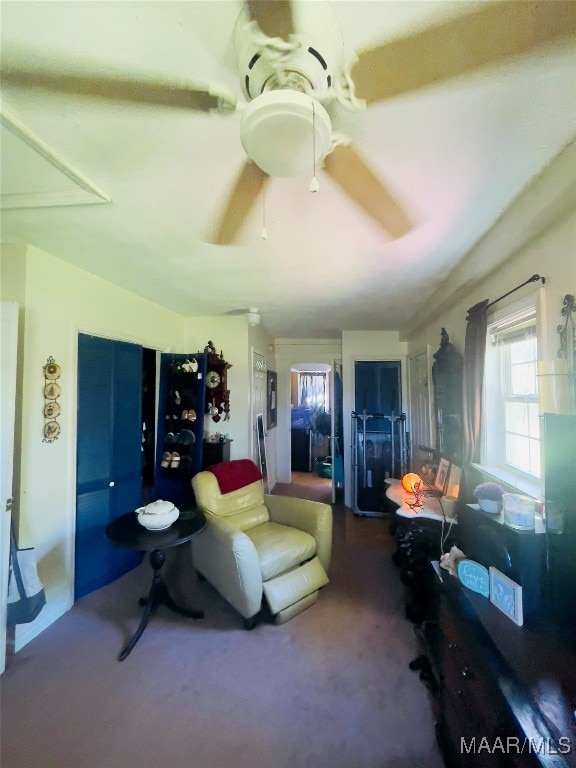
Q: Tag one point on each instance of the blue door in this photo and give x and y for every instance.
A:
(109, 462)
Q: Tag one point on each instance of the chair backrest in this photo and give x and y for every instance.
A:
(243, 506)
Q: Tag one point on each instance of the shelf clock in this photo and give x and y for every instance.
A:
(217, 392)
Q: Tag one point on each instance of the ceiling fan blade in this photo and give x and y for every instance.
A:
(274, 17)
(461, 45)
(249, 184)
(107, 86)
(353, 175)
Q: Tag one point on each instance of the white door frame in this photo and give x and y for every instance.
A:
(9, 361)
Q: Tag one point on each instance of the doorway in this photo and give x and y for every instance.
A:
(378, 433)
(316, 426)
(310, 416)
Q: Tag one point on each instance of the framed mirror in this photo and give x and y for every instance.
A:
(261, 449)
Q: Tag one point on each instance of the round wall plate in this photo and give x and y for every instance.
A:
(52, 371)
(51, 430)
(51, 391)
(52, 409)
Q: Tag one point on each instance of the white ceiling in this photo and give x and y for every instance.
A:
(456, 155)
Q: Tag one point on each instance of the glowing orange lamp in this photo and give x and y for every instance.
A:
(410, 481)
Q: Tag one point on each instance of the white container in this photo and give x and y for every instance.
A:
(158, 515)
(519, 511)
(492, 506)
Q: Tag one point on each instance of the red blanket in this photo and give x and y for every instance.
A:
(232, 475)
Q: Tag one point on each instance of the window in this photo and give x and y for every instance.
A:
(511, 428)
(312, 390)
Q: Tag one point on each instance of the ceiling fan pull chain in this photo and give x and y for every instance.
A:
(314, 185)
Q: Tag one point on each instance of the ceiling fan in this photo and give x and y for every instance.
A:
(294, 76)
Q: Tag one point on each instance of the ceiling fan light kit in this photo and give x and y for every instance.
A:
(293, 63)
(253, 317)
(278, 128)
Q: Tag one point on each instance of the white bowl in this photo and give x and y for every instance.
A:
(158, 515)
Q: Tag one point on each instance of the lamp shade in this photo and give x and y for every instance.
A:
(279, 130)
(410, 480)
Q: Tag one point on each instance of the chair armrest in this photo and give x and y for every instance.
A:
(228, 559)
(312, 517)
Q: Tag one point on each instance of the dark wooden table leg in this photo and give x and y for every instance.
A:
(158, 595)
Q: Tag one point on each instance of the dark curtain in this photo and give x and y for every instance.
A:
(474, 352)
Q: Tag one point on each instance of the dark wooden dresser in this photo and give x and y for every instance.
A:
(505, 695)
(215, 452)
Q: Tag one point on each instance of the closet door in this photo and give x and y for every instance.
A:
(108, 456)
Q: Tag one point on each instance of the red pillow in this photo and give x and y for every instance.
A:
(232, 475)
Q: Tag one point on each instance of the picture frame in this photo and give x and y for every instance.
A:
(506, 595)
(442, 475)
(271, 399)
(453, 484)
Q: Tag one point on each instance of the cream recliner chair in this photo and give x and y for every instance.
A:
(255, 545)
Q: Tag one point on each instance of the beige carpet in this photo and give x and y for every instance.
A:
(329, 689)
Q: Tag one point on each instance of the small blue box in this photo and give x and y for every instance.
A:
(300, 418)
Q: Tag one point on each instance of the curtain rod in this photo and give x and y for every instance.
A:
(533, 279)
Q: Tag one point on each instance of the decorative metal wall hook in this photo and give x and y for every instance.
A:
(567, 332)
(567, 336)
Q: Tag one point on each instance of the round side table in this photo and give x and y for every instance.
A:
(126, 531)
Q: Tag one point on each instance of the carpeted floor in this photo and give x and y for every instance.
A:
(329, 689)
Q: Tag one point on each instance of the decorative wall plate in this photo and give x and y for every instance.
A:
(52, 409)
(51, 430)
(51, 391)
(52, 371)
(474, 576)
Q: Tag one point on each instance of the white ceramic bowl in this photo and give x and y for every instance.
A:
(158, 515)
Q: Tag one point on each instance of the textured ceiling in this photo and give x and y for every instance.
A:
(455, 154)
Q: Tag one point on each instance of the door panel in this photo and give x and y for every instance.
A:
(127, 408)
(109, 462)
(95, 412)
(9, 360)
(93, 553)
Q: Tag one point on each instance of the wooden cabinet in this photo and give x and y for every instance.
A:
(215, 453)
(181, 405)
(506, 695)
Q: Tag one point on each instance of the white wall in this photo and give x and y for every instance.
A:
(365, 345)
(536, 235)
(235, 339)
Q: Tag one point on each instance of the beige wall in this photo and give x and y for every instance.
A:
(552, 255)
(59, 301)
(536, 235)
